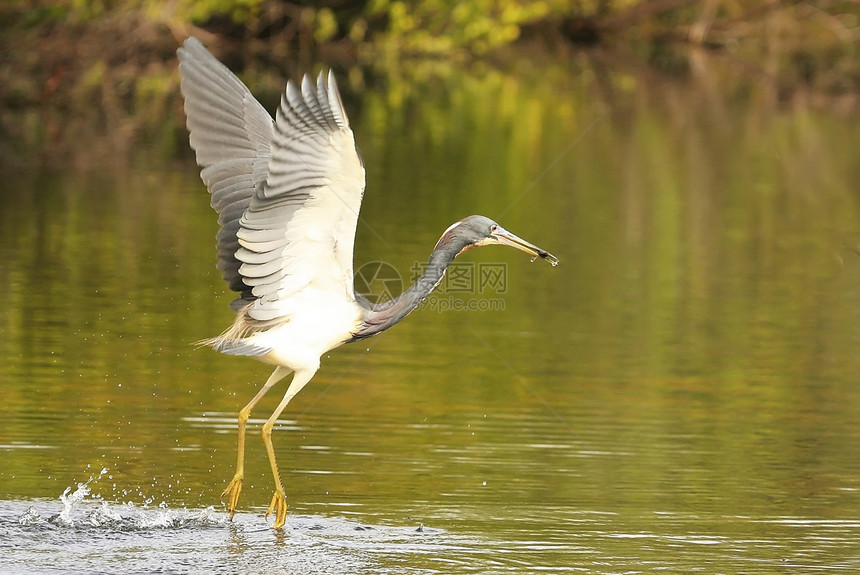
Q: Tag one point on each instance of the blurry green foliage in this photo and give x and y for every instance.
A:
(198, 11)
(476, 26)
(58, 51)
(435, 26)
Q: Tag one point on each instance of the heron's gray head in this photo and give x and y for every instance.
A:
(476, 231)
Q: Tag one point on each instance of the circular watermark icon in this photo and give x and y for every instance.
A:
(378, 281)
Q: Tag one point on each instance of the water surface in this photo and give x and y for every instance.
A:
(680, 394)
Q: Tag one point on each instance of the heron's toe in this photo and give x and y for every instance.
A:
(278, 506)
(234, 489)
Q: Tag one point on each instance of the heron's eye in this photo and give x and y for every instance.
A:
(494, 227)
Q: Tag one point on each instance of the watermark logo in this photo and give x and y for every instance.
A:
(378, 282)
(467, 286)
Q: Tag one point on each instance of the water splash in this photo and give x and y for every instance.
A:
(64, 519)
(82, 511)
(30, 517)
(104, 516)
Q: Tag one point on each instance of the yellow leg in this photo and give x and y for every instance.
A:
(234, 489)
(278, 506)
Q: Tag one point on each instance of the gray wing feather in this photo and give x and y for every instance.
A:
(231, 135)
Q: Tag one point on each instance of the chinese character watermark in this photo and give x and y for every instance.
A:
(466, 286)
(469, 277)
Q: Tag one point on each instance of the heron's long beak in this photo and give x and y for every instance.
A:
(504, 237)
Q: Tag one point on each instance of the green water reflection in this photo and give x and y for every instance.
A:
(686, 379)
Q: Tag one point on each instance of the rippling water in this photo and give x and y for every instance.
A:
(680, 394)
(113, 538)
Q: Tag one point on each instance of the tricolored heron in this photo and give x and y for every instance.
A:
(287, 193)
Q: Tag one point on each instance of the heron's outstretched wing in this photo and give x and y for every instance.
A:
(231, 134)
(287, 193)
(299, 229)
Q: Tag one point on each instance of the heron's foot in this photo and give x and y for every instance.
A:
(232, 494)
(278, 506)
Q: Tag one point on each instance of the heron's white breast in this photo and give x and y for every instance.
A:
(317, 325)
